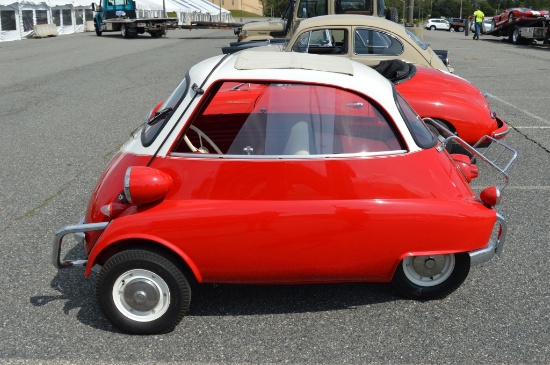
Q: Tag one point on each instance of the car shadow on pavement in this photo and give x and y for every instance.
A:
(77, 292)
(216, 300)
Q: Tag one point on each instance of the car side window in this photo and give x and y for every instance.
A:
(309, 9)
(259, 120)
(354, 7)
(373, 42)
(420, 132)
(322, 41)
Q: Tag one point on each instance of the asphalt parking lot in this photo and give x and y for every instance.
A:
(68, 103)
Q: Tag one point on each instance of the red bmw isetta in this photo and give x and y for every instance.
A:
(319, 172)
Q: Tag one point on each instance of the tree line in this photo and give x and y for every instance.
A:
(424, 9)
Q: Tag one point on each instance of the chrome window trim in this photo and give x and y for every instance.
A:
(352, 36)
(286, 157)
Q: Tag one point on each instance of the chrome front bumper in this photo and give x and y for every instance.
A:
(494, 247)
(78, 230)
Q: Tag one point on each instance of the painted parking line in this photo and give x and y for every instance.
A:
(521, 110)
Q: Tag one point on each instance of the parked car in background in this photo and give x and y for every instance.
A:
(512, 14)
(444, 97)
(432, 91)
(457, 24)
(281, 168)
(365, 39)
(437, 24)
(486, 26)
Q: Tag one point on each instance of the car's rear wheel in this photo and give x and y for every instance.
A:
(431, 277)
(142, 292)
(432, 27)
(461, 29)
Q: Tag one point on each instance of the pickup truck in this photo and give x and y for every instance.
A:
(457, 24)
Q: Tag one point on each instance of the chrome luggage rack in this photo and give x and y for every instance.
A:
(493, 152)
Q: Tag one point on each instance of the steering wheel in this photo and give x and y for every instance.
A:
(202, 136)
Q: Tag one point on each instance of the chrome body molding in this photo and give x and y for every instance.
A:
(78, 230)
(494, 247)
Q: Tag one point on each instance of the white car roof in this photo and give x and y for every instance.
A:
(250, 60)
(284, 67)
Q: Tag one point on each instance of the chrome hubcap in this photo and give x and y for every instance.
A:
(141, 295)
(428, 270)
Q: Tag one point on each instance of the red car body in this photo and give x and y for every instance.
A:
(366, 195)
(452, 100)
(511, 15)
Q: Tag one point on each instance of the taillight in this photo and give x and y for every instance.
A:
(144, 184)
(468, 169)
(113, 209)
(490, 196)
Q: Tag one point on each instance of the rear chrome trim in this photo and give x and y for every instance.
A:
(58, 242)
(495, 153)
(494, 247)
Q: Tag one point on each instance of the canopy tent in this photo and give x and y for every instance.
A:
(19, 17)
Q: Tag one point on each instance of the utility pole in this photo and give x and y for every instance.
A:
(410, 14)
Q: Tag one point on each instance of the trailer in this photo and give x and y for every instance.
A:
(523, 31)
(209, 25)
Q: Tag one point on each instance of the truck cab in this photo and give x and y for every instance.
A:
(302, 9)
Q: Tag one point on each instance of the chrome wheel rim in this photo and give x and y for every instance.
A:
(428, 270)
(141, 295)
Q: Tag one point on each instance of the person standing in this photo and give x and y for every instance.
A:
(478, 19)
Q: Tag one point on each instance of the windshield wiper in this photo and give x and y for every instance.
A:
(158, 115)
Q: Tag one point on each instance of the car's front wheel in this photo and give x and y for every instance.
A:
(143, 292)
(431, 277)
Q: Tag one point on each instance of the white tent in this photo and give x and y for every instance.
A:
(18, 18)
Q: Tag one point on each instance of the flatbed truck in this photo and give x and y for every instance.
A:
(120, 16)
(522, 31)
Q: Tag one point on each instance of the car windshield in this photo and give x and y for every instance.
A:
(417, 40)
(281, 119)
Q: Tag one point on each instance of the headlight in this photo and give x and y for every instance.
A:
(144, 184)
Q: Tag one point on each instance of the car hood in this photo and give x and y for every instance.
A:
(265, 26)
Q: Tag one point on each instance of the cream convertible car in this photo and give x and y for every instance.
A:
(368, 40)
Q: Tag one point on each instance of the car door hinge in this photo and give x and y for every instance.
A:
(197, 89)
